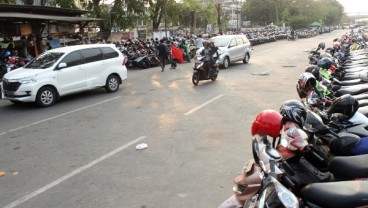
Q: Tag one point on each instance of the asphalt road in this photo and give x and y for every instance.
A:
(81, 152)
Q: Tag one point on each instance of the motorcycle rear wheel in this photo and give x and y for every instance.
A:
(195, 79)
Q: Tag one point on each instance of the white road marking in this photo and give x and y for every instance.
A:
(75, 172)
(266, 71)
(58, 116)
(201, 106)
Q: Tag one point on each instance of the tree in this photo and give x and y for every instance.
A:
(7, 1)
(60, 3)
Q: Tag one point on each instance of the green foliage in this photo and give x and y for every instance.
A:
(7, 1)
(299, 13)
(298, 22)
(62, 3)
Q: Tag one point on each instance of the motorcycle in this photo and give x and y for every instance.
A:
(271, 181)
(202, 72)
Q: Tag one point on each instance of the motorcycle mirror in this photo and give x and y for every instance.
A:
(273, 153)
(322, 45)
(314, 124)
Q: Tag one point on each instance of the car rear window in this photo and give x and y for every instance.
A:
(92, 55)
(245, 39)
(44, 61)
(240, 41)
(109, 53)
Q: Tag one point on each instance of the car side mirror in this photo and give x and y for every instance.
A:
(62, 65)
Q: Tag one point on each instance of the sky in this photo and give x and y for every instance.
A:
(355, 6)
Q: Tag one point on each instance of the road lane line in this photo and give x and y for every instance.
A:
(58, 116)
(201, 106)
(75, 172)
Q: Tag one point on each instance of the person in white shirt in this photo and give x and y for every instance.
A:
(199, 42)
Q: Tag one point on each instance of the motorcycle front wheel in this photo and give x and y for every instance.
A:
(214, 77)
(195, 79)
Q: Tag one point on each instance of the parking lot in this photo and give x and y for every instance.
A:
(81, 152)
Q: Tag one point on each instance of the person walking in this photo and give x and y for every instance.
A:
(162, 54)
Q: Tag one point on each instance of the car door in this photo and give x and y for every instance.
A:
(241, 47)
(94, 65)
(233, 52)
(72, 77)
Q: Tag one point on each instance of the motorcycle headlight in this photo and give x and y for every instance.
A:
(29, 79)
(286, 197)
(276, 194)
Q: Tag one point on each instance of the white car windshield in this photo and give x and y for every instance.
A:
(220, 42)
(44, 61)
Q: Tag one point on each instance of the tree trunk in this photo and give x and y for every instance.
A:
(157, 17)
(218, 8)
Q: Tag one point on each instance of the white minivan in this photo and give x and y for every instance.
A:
(62, 71)
(231, 48)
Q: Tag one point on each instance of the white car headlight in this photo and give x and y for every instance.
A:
(29, 79)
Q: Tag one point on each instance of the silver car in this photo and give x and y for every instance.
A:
(232, 48)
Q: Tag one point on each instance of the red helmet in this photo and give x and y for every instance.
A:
(267, 122)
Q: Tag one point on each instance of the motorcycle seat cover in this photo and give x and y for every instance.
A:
(353, 90)
(337, 194)
(351, 82)
(349, 167)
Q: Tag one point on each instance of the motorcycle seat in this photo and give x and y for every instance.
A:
(349, 167)
(337, 194)
(361, 96)
(353, 90)
(363, 110)
(350, 82)
(354, 69)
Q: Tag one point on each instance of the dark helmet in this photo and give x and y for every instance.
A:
(325, 63)
(346, 105)
(293, 110)
(306, 82)
(313, 69)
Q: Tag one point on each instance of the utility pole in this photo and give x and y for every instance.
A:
(165, 19)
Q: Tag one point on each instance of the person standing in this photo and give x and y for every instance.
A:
(162, 54)
(199, 42)
(185, 46)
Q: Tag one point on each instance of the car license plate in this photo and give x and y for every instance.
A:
(8, 93)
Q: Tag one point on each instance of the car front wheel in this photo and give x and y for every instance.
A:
(46, 97)
(112, 83)
(226, 63)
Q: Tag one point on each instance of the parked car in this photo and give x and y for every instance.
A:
(232, 48)
(63, 71)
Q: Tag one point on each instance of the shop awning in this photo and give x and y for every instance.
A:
(19, 15)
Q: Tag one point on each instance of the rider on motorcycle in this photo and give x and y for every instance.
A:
(208, 52)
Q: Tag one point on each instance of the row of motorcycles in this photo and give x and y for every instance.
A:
(313, 152)
(10, 61)
(141, 54)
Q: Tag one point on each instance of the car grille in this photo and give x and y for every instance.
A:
(10, 86)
